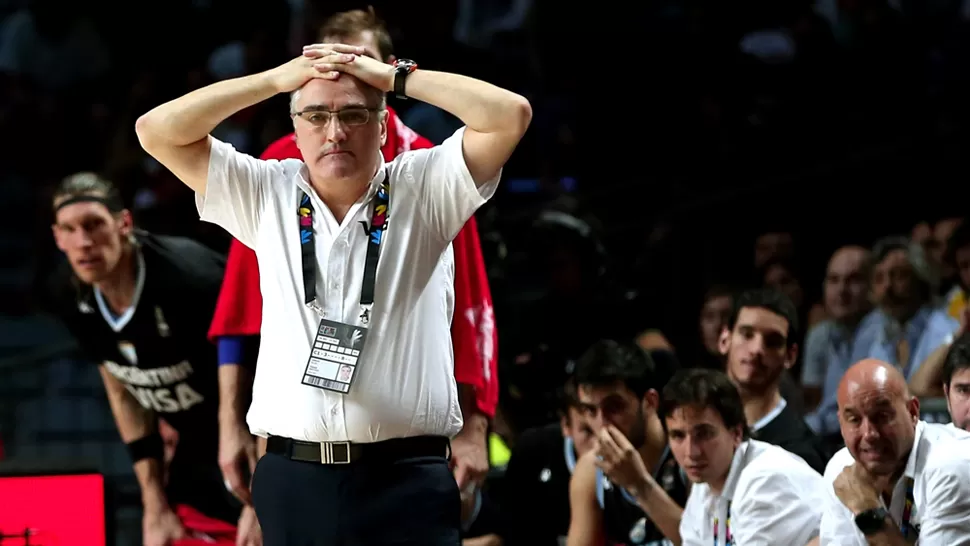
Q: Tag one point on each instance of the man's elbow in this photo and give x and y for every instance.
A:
(520, 114)
(146, 129)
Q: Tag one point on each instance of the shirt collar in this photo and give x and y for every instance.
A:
(914, 326)
(737, 466)
(569, 449)
(910, 471)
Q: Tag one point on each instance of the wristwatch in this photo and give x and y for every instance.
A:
(872, 521)
(402, 68)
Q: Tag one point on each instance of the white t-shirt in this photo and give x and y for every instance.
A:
(771, 498)
(938, 469)
(404, 381)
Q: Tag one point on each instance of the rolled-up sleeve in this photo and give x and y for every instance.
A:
(947, 499)
(838, 524)
(446, 193)
(775, 508)
(236, 190)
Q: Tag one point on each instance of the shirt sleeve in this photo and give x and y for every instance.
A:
(838, 526)
(236, 190)
(777, 507)
(947, 482)
(815, 362)
(446, 192)
(239, 310)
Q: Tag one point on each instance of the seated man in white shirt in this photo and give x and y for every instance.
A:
(354, 391)
(745, 492)
(899, 480)
(956, 382)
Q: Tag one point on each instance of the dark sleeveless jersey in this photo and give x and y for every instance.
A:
(535, 503)
(623, 520)
(159, 350)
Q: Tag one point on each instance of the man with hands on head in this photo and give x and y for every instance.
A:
(619, 386)
(898, 480)
(236, 322)
(362, 460)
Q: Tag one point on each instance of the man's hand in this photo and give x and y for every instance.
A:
(469, 454)
(368, 70)
(293, 75)
(248, 532)
(161, 527)
(621, 463)
(857, 489)
(237, 451)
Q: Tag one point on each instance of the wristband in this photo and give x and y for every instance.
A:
(147, 447)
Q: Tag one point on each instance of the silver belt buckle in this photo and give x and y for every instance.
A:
(334, 452)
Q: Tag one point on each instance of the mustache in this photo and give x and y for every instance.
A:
(330, 148)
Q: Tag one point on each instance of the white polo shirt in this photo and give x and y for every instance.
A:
(404, 382)
(771, 498)
(938, 469)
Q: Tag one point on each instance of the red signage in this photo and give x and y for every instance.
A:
(63, 510)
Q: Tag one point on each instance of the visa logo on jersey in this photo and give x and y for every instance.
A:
(165, 389)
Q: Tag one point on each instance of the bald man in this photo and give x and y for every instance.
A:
(898, 479)
(846, 300)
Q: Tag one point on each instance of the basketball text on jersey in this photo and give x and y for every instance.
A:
(163, 389)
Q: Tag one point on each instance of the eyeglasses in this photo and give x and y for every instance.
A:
(350, 117)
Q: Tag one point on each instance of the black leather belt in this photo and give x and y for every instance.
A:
(349, 452)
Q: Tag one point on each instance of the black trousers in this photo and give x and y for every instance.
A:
(409, 502)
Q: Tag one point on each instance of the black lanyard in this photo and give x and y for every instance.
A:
(375, 234)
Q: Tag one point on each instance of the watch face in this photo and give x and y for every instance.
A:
(871, 521)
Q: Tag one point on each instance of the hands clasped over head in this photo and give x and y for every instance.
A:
(329, 61)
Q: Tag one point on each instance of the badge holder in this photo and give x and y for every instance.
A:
(337, 346)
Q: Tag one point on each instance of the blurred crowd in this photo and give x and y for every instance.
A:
(756, 118)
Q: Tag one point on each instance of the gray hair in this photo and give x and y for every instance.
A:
(381, 96)
(924, 271)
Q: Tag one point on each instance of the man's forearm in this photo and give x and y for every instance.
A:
(888, 537)
(190, 118)
(481, 106)
(235, 392)
(135, 422)
(149, 474)
(662, 510)
(475, 421)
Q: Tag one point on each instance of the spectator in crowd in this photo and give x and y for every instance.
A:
(772, 245)
(908, 325)
(937, 247)
(904, 329)
(846, 300)
(136, 303)
(538, 474)
(238, 316)
(620, 386)
(714, 316)
(957, 257)
(897, 478)
(759, 345)
(744, 491)
(401, 408)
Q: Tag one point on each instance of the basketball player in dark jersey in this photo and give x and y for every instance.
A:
(538, 475)
(619, 385)
(139, 306)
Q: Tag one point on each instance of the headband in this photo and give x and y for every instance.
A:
(112, 204)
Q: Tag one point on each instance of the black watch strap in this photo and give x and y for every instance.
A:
(872, 521)
(402, 69)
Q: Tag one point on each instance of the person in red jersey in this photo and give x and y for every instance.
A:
(238, 315)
